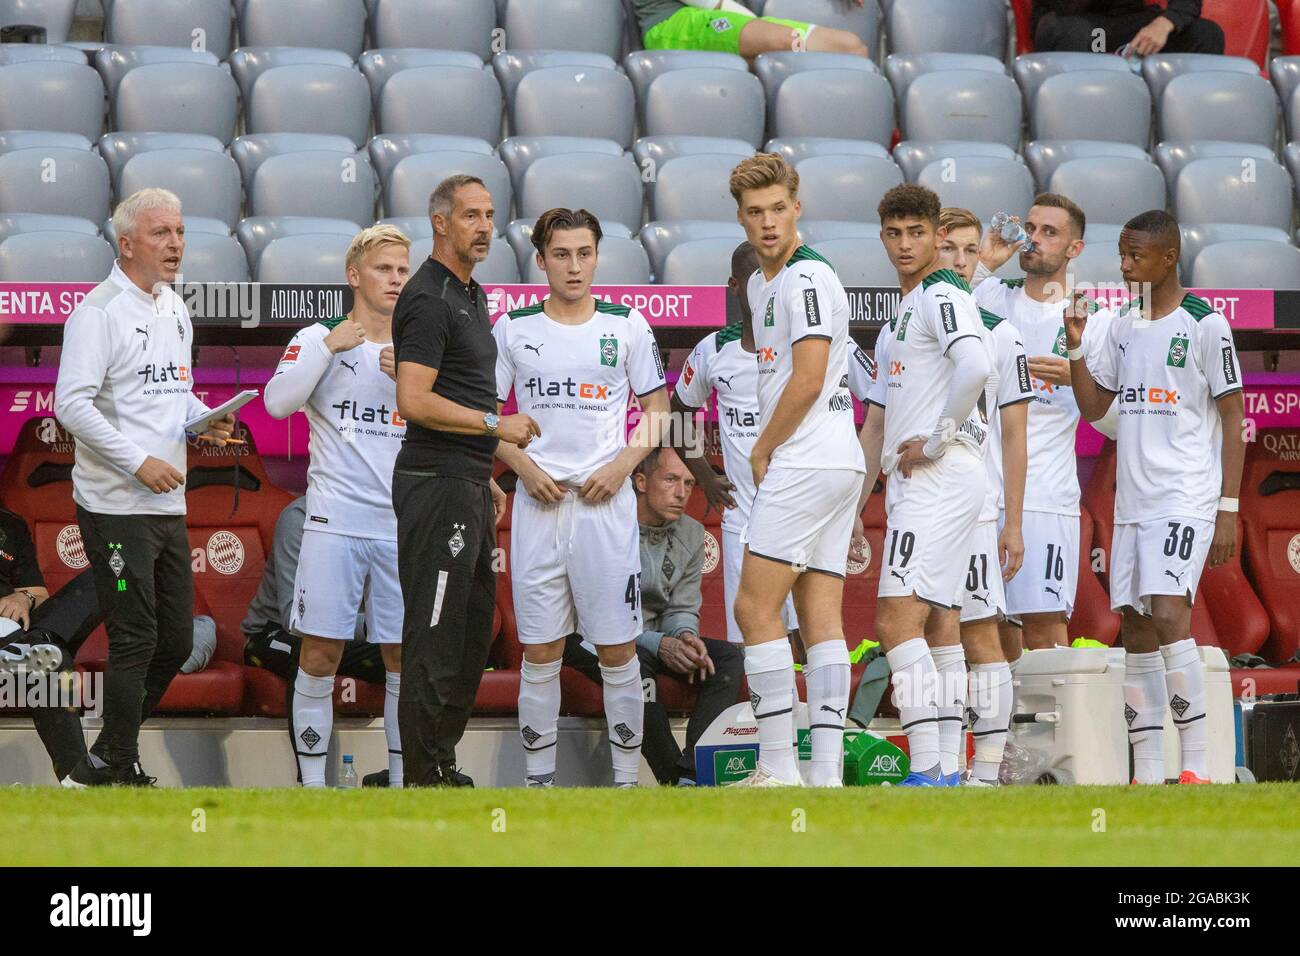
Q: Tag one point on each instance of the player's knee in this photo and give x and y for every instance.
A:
(544, 653)
(320, 658)
(616, 655)
(1170, 621)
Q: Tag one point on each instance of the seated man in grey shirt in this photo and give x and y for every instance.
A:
(672, 562)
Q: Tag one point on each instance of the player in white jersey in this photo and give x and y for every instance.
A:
(341, 371)
(807, 472)
(1170, 360)
(928, 429)
(1041, 598)
(573, 363)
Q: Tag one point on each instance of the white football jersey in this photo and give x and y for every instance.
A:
(356, 431)
(1167, 376)
(575, 381)
(1009, 385)
(806, 300)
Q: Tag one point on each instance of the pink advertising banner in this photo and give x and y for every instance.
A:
(1243, 308)
(664, 306)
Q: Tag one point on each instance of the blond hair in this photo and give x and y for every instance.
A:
(129, 209)
(954, 217)
(761, 171)
(372, 238)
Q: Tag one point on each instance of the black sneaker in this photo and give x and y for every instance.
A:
(84, 775)
(377, 779)
(134, 776)
(451, 777)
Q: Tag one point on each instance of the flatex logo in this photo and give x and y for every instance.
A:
(102, 910)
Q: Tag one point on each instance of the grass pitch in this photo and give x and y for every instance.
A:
(1038, 826)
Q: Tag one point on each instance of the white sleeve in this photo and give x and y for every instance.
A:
(809, 302)
(1217, 355)
(1102, 357)
(954, 315)
(1014, 385)
(301, 366)
(862, 372)
(879, 391)
(505, 360)
(645, 367)
(83, 366)
(692, 388)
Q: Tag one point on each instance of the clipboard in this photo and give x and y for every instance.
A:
(225, 408)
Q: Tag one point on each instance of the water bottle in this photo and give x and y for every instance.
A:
(1134, 59)
(350, 779)
(1011, 231)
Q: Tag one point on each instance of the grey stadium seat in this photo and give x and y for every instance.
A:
(511, 66)
(574, 101)
(177, 98)
(412, 180)
(651, 152)
(661, 238)
(1031, 70)
(413, 227)
(1111, 188)
(115, 62)
(963, 104)
(435, 24)
(520, 233)
(441, 99)
(957, 26)
(47, 95)
(622, 262)
(1246, 264)
(257, 232)
(1175, 154)
(1044, 156)
(1232, 106)
(693, 187)
(903, 68)
(329, 24)
(1161, 68)
(859, 262)
(796, 149)
(207, 183)
(813, 231)
(12, 139)
(26, 52)
(775, 68)
(1291, 155)
(194, 226)
(1196, 236)
(706, 102)
(520, 152)
(250, 62)
(913, 156)
(1217, 190)
(12, 223)
(210, 258)
(863, 20)
(1112, 106)
(252, 150)
(54, 15)
(379, 66)
(592, 25)
(310, 99)
(851, 103)
(645, 66)
(302, 259)
(117, 148)
(1098, 264)
(387, 150)
(499, 266)
(981, 184)
(180, 23)
(80, 186)
(845, 187)
(609, 186)
(55, 257)
(314, 183)
(699, 262)
(1285, 71)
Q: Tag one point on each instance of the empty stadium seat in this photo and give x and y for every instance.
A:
(194, 225)
(592, 25)
(310, 98)
(314, 183)
(1031, 70)
(118, 148)
(49, 256)
(249, 62)
(520, 152)
(413, 227)
(378, 66)
(414, 178)
(855, 104)
(1245, 25)
(257, 232)
(210, 258)
(1272, 534)
(252, 150)
(80, 186)
(179, 23)
(982, 184)
(304, 258)
(12, 139)
(441, 99)
(1196, 236)
(330, 24)
(845, 187)
(903, 68)
(798, 148)
(511, 66)
(776, 67)
(207, 183)
(694, 187)
(651, 152)
(13, 223)
(706, 102)
(48, 95)
(1110, 188)
(1231, 106)
(1284, 71)
(913, 156)
(177, 98)
(1224, 190)
(436, 24)
(1247, 264)
(954, 26)
(699, 262)
(622, 262)
(115, 62)
(1110, 106)
(859, 262)
(26, 52)
(609, 186)
(1173, 155)
(574, 101)
(963, 104)
(1098, 263)
(499, 266)
(386, 151)
(643, 67)
(55, 16)
(862, 20)
(1160, 69)
(661, 238)
(813, 231)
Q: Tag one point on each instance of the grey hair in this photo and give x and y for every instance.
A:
(129, 209)
(441, 199)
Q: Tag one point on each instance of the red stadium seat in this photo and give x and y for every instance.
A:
(1270, 505)
(1245, 26)
(1289, 14)
(1024, 11)
(1092, 617)
(1257, 681)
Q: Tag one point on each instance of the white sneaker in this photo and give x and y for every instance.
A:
(542, 783)
(977, 782)
(761, 778)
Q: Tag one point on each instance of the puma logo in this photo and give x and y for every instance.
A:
(726, 381)
(803, 276)
(1055, 591)
(144, 346)
(830, 709)
(350, 366)
(1178, 578)
(901, 576)
(1123, 347)
(982, 598)
(535, 348)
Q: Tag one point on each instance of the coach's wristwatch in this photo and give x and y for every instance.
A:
(490, 422)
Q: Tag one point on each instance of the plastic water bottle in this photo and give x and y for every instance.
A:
(350, 779)
(1134, 59)
(1011, 231)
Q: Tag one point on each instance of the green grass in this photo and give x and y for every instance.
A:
(1039, 826)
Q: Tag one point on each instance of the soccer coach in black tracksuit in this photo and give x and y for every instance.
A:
(446, 501)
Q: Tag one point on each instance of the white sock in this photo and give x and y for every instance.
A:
(769, 668)
(950, 662)
(990, 701)
(1185, 685)
(1016, 663)
(915, 695)
(539, 714)
(1144, 712)
(625, 715)
(826, 676)
(392, 689)
(313, 722)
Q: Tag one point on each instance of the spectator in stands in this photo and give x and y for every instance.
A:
(1103, 26)
(725, 26)
(672, 563)
(124, 392)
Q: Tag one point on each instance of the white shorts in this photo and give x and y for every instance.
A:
(804, 518)
(335, 573)
(1165, 556)
(982, 595)
(931, 522)
(576, 567)
(1049, 576)
(733, 556)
